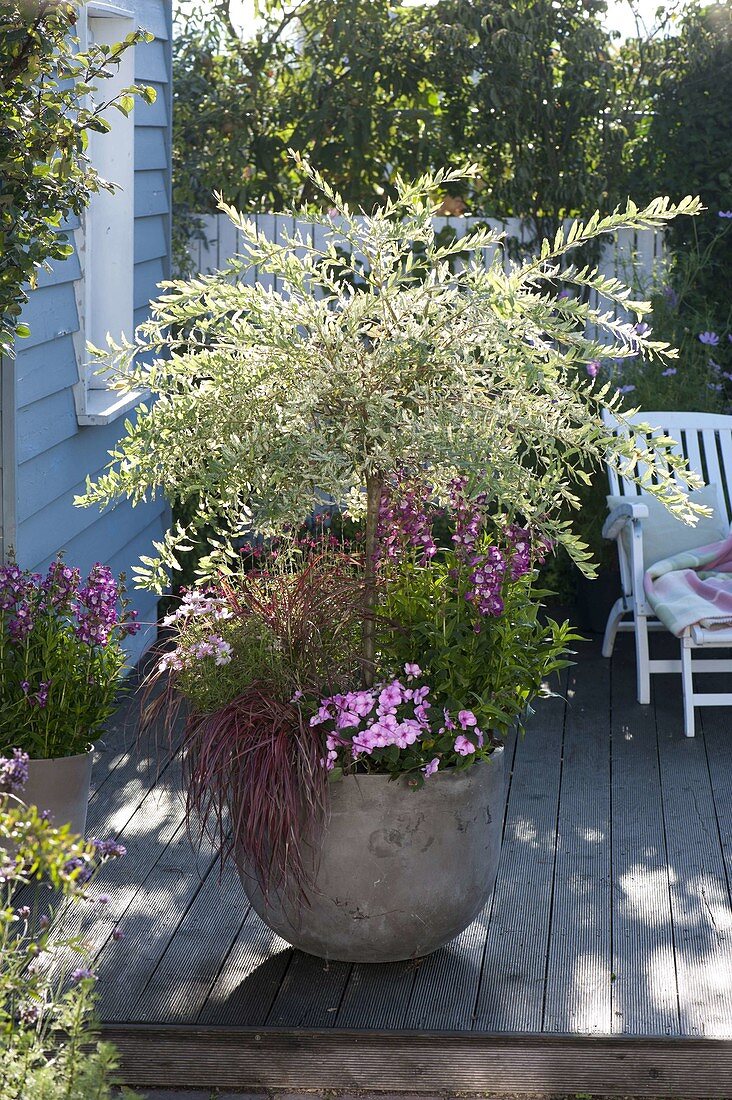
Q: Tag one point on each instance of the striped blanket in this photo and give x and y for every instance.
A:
(693, 588)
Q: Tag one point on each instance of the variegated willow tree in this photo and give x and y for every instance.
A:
(378, 352)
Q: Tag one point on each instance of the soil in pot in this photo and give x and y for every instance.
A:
(398, 872)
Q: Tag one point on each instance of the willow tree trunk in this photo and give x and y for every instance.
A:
(374, 486)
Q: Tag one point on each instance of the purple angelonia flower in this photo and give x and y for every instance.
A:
(593, 368)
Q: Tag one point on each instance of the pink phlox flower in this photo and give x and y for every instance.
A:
(420, 695)
(324, 713)
(479, 734)
(466, 718)
(411, 669)
(391, 695)
(363, 703)
(406, 733)
(420, 713)
(346, 720)
(431, 768)
(463, 747)
(449, 724)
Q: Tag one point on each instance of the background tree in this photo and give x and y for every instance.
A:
(369, 88)
(48, 106)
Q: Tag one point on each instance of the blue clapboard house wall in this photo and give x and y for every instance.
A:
(55, 427)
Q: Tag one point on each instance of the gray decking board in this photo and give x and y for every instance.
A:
(446, 984)
(377, 995)
(250, 977)
(325, 983)
(579, 966)
(511, 996)
(177, 988)
(630, 796)
(150, 922)
(717, 727)
(700, 902)
(644, 995)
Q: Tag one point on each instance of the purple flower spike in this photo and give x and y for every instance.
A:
(593, 368)
(81, 974)
(14, 772)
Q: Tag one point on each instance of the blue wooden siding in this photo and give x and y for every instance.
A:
(53, 453)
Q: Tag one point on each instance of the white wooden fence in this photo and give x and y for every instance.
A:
(633, 257)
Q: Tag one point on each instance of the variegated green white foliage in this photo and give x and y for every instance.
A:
(266, 400)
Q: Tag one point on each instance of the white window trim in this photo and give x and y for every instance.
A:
(97, 404)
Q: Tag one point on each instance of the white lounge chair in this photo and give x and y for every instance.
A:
(646, 533)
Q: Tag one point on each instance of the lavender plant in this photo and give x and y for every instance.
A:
(61, 656)
(48, 1045)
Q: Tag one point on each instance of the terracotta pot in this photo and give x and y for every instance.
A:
(61, 786)
(397, 872)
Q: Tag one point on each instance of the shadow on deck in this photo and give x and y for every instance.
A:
(603, 962)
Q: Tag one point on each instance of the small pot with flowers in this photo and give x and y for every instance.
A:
(61, 659)
(345, 705)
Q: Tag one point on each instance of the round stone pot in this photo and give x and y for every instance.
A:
(61, 787)
(397, 872)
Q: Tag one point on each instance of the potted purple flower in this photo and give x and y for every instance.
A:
(61, 658)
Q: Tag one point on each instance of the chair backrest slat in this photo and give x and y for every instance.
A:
(705, 439)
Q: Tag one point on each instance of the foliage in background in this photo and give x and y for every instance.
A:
(531, 91)
(61, 657)
(689, 146)
(48, 1044)
(49, 102)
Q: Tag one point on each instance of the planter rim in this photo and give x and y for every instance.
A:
(450, 771)
(56, 759)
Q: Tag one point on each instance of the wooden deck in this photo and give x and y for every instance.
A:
(603, 962)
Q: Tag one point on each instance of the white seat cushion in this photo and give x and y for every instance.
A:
(664, 534)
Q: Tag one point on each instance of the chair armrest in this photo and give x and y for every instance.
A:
(622, 515)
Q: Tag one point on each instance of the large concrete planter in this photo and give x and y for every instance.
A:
(61, 787)
(398, 872)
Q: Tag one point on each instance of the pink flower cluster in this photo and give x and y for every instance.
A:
(361, 723)
(198, 604)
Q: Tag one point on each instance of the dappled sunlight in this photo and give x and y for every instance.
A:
(637, 891)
